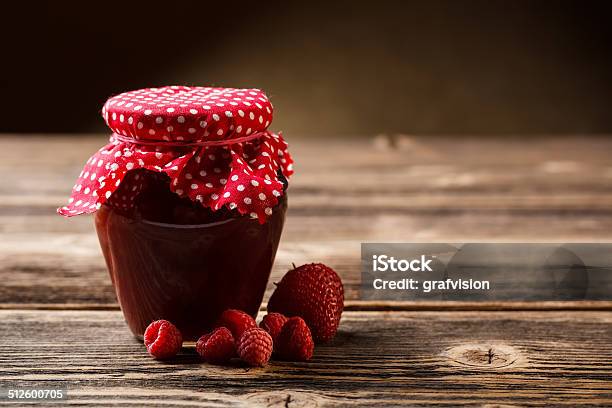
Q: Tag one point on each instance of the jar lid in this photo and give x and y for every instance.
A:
(188, 113)
(211, 142)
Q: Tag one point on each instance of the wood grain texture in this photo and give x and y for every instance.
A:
(401, 188)
(399, 358)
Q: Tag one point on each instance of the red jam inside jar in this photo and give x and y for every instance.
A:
(170, 258)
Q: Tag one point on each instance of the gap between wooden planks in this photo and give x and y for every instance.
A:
(357, 305)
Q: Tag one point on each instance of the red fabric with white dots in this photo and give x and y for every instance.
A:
(240, 176)
(181, 113)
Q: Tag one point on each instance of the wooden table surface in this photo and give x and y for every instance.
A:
(60, 320)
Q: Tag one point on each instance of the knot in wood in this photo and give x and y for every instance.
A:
(486, 356)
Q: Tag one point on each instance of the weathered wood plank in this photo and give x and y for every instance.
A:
(385, 189)
(78, 276)
(430, 165)
(399, 358)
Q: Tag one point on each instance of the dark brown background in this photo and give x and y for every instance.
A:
(460, 67)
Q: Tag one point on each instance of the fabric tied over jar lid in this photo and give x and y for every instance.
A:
(213, 144)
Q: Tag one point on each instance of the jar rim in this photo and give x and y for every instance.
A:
(144, 221)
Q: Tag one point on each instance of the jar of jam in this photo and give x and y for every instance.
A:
(189, 196)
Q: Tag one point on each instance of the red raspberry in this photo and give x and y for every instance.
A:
(294, 342)
(273, 323)
(313, 292)
(236, 321)
(162, 339)
(216, 347)
(255, 347)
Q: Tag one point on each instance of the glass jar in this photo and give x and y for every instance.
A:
(189, 196)
(188, 273)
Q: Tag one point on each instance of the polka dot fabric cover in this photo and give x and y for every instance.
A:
(242, 176)
(181, 113)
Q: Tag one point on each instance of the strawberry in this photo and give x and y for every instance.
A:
(255, 347)
(273, 323)
(236, 321)
(313, 292)
(217, 347)
(294, 342)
